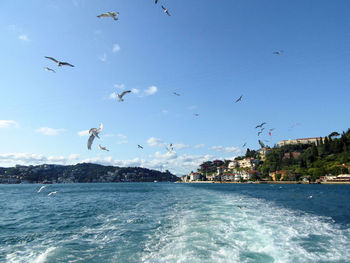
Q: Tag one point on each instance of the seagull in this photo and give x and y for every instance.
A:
(239, 99)
(52, 193)
(102, 148)
(49, 69)
(41, 188)
(155, 1)
(110, 14)
(170, 148)
(278, 52)
(244, 145)
(120, 96)
(260, 125)
(166, 10)
(94, 133)
(259, 132)
(176, 94)
(139, 146)
(196, 114)
(60, 63)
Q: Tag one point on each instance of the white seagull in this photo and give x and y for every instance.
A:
(102, 148)
(94, 133)
(41, 188)
(52, 193)
(120, 96)
(110, 14)
(49, 69)
(59, 63)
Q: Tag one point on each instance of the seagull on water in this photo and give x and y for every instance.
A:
(41, 188)
(94, 133)
(59, 63)
(120, 96)
(109, 14)
(166, 10)
(239, 99)
(139, 146)
(102, 148)
(52, 193)
(49, 69)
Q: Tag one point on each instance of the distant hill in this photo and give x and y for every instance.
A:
(81, 173)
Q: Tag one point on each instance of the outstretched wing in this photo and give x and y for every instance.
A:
(100, 128)
(91, 139)
(125, 92)
(52, 59)
(66, 64)
(163, 8)
(103, 15)
(155, 1)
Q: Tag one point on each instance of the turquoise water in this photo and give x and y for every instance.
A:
(167, 222)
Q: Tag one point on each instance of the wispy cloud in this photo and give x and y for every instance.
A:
(116, 48)
(232, 149)
(192, 107)
(103, 58)
(122, 136)
(8, 124)
(136, 91)
(165, 111)
(23, 37)
(199, 146)
(151, 90)
(35, 159)
(155, 142)
(83, 133)
(180, 146)
(119, 86)
(113, 95)
(49, 131)
(122, 141)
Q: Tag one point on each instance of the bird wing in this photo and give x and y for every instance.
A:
(103, 15)
(163, 8)
(52, 59)
(66, 64)
(155, 1)
(91, 139)
(125, 92)
(100, 128)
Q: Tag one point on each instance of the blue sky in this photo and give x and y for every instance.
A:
(209, 53)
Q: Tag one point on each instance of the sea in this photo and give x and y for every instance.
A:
(174, 222)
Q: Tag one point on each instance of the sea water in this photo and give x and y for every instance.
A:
(168, 222)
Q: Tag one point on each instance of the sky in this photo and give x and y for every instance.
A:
(208, 52)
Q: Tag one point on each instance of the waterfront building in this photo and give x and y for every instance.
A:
(195, 176)
(315, 140)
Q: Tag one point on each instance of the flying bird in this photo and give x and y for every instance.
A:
(41, 188)
(102, 148)
(120, 96)
(49, 69)
(155, 1)
(52, 193)
(109, 14)
(259, 133)
(239, 99)
(196, 114)
(260, 125)
(139, 146)
(278, 52)
(59, 63)
(244, 145)
(176, 94)
(170, 148)
(94, 133)
(166, 10)
(261, 144)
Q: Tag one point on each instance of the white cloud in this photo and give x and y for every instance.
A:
(136, 91)
(49, 131)
(10, 159)
(122, 136)
(180, 146)
(113, 95)
(232, 149)
(8, 124)
(23, 37)
(83, 133)
(155, 142)
(103, 58)
(199, 146)
(122, 142)
(116, 48)
(151, 90)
